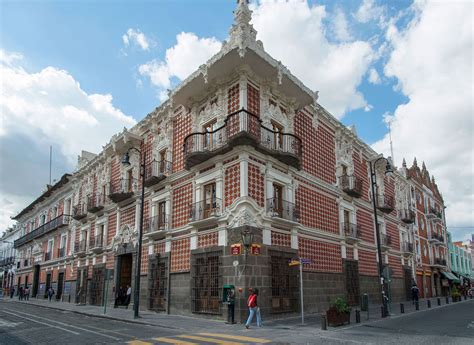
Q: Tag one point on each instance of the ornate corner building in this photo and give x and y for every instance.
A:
(240, 147)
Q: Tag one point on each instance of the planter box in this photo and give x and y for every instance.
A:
(337, 319)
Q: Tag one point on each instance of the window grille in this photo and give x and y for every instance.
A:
(206, 283)
(284, 283)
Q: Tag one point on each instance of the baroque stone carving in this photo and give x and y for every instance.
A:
(344, 152)
(123, 237)
(244, 217)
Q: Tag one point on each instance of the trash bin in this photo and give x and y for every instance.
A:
(364, 305)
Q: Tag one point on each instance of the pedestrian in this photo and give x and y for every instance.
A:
(50, 293)
(27, 293)
(230, 306)
(12, 292)
(20, 293)
(119, 297)
(129, 295)
(414, 293)
(252, 303)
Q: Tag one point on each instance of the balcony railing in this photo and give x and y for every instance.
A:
(351, 185)
(407, 215)
(47, 256)
(242, 128)
(385, 240)
(437, 238)
(351, 231)
(54, 224)
(79, 211)
(439, 262)
(283, 209)
(80, 247)
(157, 171)
(97, 243)
(95, 203)
(156, 223)
(407, 247)
(61, 252)
(205, 209)
(122, 189)
(385, 203)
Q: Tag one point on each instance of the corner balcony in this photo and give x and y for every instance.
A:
(385, 241)
(351, 185)
(351, 232)
(79, 211)
(95, 203)
(80, 248)
(385, 203)
(407, 216)
(283, 210)
(156, 227)
(242, 128)
(157, 171)
(122, 189)
(407, 249)
(97, 246)
(205, 213)
(56, 223)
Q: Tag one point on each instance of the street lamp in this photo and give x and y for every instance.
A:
(126, 162)
(247, 238)
(373, 177)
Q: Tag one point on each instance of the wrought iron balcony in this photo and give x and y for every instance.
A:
(97, 245)
(156, 227)
(385, 203)
(79, 211)
(205, 210)
(242, 128)
(351, 232)
(437, 262)
(385, 241)
(407, 215)
(157, 171)
(47, 256)
(351, 185)
(407, 248)
(122, 189)
(283, 209)
(436, 238)
(61, 252)
(95, 203)
(56, 223)
(80, 248)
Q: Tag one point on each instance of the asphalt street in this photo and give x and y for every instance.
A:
(29, 324)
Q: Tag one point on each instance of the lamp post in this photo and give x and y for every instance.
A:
(373, 177)
(126, 161)
(247, 238)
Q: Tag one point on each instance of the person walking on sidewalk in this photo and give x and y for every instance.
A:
(27, 293)
(50, 293)
(12, 292)
(230, 306)
(129, 295)
(414, 293)
(253, 309)
(20, 293)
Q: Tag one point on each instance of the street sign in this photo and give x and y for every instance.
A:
(306, 261)
(293, 263)
(236, 249)
(256, 249)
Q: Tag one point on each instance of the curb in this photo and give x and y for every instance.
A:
(101, 316)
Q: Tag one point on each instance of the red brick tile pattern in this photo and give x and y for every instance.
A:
(326, 257)
(232, 184)
(182, 199)
(366, 222)
(233, 99)
(282, 240)
(253, 100)
(256, 185)
(180, 255)
(181, 128)
(208, 240)
(367, 263)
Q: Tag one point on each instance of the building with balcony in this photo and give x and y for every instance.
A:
(8, 258)
(240, 150)
(460, 261)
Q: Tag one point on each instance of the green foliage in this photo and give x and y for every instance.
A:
(341, 306)
(455, 292)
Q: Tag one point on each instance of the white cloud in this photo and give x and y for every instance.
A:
(292, 31)
(340, 26)
(7, 58)
(432, 61)
(374, 77)
(138, 38)
(368, 11)
(47, 108)
(181, 60)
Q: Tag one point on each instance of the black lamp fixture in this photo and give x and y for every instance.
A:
(247, 238)
(126, 159)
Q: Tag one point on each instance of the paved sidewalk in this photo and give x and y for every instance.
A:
(189, 323)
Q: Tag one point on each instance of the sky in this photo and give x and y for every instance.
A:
(73, 73)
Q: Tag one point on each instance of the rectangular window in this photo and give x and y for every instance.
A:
(161, 214)
(277, 135)
(129, 180)
(346, 218)
(211, 137)
(210, 202)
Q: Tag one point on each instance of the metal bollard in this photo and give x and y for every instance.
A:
(417, 305)
(470, 296)
(357, 316)
(465, 297)
(402, 308)
(429, 303)
(439, 301)
(324, 322)
(447, 300)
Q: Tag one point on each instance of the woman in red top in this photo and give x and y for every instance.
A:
(253, 309)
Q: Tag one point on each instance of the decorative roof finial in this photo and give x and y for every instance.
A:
(404, 163)
(423, 166)
(242, 34)
(415, 163)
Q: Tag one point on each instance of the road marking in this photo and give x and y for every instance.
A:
(6, 323)
(139, 342)
(209, 340)
(174, 341)
(71, 326)
(41, 323)
(237, 337)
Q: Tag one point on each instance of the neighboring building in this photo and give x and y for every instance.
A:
(8, 258)
(469, 244)
(461, 262)
(241, 149)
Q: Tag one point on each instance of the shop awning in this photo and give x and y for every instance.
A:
(450, 276)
